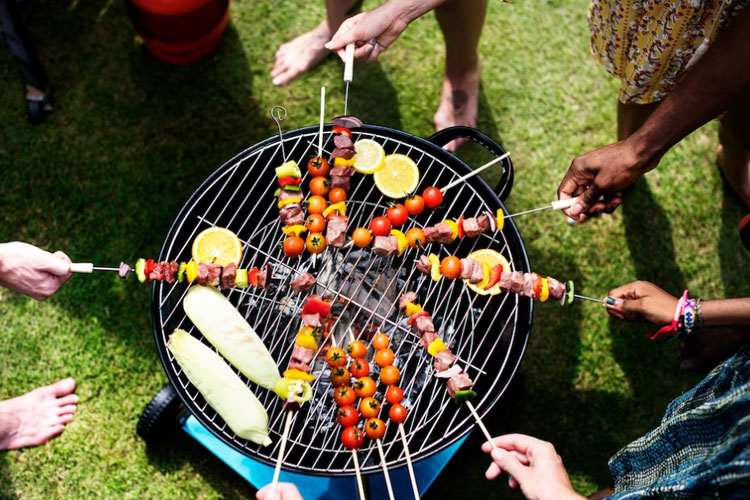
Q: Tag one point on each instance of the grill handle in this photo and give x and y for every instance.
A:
(448, 134)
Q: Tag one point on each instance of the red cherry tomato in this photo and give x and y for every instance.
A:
(389, 375)
(357, 349)
(384, 357)
(394, 395)
(432, 197)
(414, 205)
(369, 407)
(361, 237)
(316, 204)
(415, 237)
(336, 357)
(352, 438)
(380, 226)
(380, 341)
(398, 215)
(294, 246)
(315, 223)
(337, 194)
(320, 185)
(450, 267)
(397, 413)
(360, 368)
(347, 416)
(375, 428)
(340, 377)
(365, 387)
(344, 395)
(318, 166)
(315, 243)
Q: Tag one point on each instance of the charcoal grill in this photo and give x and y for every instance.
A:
(487, 333)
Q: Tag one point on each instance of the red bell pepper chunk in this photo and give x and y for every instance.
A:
(495, 273)
(148, 268)
(286, 181)
(252, 276)
(460, 224)
(341, 130)
(317, 306)
(537, 287)
(415, 316)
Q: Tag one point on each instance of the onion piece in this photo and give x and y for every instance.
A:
(493, 223)
(123, 271)
(348, 121)
(453, 370)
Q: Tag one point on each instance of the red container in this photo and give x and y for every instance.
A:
(180, 31)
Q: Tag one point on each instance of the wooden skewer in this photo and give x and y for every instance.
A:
(481, 425)
(475, 172)
(360, 486)
(322, 120)
(385, 470)
(282, 448)
(412, 477)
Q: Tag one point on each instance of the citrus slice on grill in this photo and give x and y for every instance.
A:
(217, 245)
(491, 258)
(398, 177)
(370, 156)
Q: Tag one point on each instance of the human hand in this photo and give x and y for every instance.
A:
(599, 177)
(31, 270)
(642, 301)
(533, 464)
(278, 491)
(372, 32)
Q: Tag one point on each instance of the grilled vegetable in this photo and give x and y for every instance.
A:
(375, 428)
(288, 201)
(357, 349)
(344, 395)
(394, 395)
(352, 438)
(140, 266)
(318, 166)
(294, 390)
(347, 416)
(240, 279)
(432, 197)
(289, 187)
(288, 169)
(435, 270)
(298, 374)
(544, 293)
(570, 296)
(436, 346)
(380, 341)
(339, 208)
(316, 306)
(389, 375)
(294, 230)
(336, 357)
(384, 357)
(369, 407)
(402, 241)
(191, 271)
(454, 228)
(231, 335)
(500, 219)
(221, 387)
(397, 413)
(290, 181)
(495, 273)
(464, 396)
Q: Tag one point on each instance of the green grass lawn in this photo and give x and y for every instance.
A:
(131, 138)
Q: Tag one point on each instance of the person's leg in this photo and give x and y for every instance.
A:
(630, 117)
(300, 55)
(461, 23)
(37, 416)
(733, 153)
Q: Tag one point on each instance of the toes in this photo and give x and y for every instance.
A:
(70, 399)
(64, 419)
(66, 410)
(63, 387)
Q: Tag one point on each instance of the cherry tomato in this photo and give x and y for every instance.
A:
(320, 186)
(352, 438)
(336, 357)
(316, 204)
(315, 223)
(380, 341)
(337, 194)
(398, 215)
(415, 237)
(369, 407)
(361, 237)
(397, 413)
(360, 368)
(318, 166)
(340, 377)
(374, 428)
(380, 226)
(315, 243)
(294, 246)
(394, 395)
(347, 416)
(389, 375)
(344, 395)
(357, 349)
(450, 267)
(432, 197)
(414, 205)
(365, 387)
(384, 357)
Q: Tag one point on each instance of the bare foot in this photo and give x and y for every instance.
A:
(299, 56)
(734, 162)
(37, 416)
(459, 103)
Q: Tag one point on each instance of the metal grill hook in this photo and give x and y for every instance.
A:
(278, 113)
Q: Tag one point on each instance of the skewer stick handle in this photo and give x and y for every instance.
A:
(81, 267)
(408, 461)
(560, 204)
(385, 470)
(349, 63)
(360, 486)
(475, 172)
(481, 425)
(282, 448)
(322, 119)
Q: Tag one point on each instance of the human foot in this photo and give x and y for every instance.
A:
(300, 55)
(734, 162)
(459, 103)
(37, 416)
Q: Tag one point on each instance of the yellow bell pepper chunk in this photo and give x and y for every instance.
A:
(339, 207)
(343, 162)
(435, 270)
(412, 309)
(436, 346)
(486, 273)
(191, 271)
(294, 230)
(298, 374)
(306, 340)
(500, 219)
(544, 293)
(288, 201)
(454, 228)
(402, 243)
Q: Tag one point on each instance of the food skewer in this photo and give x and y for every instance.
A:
(475, 172)
(88, 267)
(408, 461)
(385, 470)
(322, 120)
(481, 424)
(600, 301)
(348, 73)
(282, 446)
(555, 205)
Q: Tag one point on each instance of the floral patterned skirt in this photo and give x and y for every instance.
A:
(647, 44)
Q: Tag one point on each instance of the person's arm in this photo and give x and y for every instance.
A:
(31, 270)
(709, 88)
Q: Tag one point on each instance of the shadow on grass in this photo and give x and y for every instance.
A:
(6, 482)
(372, 84)
(732, 254)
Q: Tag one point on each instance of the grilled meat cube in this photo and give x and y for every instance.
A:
(443, 360)
(172, 273)
(423, 264)
(342, 172)
(304, 283)
(156, 273)
(385, 246)
(427, 338)
(292, 214)
(471, 227)
(336, 232)
(214, 275)
(302, 354)
(264, 277)
(285, 194)
(439, 233)
(228, 275)
(202, 274)
(505, 281)
(345, 153)
(484, 223)
(341, 181)
(291, 405)
(348, 121)
(294, 364)
(458, 382)
(556, 288)
(424, 324)
(528, 285)
(516, 281)
(477, 274)
(343, 141)
(313, 320)
(406, 297)
(467, 265)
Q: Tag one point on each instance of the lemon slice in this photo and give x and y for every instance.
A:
(398, 177)
(217, 245)
(491, 258)
(370, 156)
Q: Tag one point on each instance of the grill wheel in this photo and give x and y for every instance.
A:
(160, 414)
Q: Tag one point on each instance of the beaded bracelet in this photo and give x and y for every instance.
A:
(688, 317)
(672, 329)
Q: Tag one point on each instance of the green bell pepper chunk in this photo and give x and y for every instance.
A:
(295, 390)
(288, 188)
(571, 292)
(140, 269)
(181, 272)
(288, 169)
(464, 396)
(240, 279)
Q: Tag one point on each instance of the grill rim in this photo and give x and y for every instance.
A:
(524, 309)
